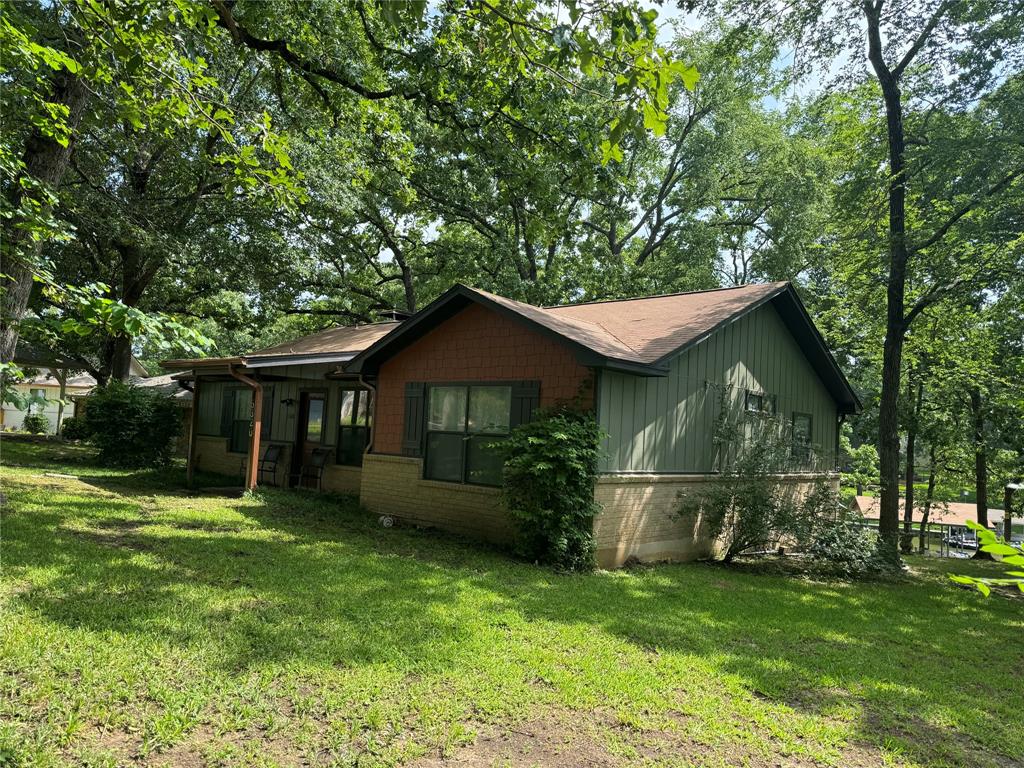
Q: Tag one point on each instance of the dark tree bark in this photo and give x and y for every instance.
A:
(895, 325)
(46, 162)
(917, 394)
(980, 456)
(980, 463)
(929, 495)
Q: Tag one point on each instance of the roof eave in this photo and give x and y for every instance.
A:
(298, 358)
(201, 362)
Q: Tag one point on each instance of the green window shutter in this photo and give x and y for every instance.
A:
(525, 400)
(227, 413)
(412, 435)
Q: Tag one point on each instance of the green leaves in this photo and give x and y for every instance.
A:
(550, 470)
(1005, 552)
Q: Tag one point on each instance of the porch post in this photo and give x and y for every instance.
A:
(254, 437)
(190, 462)
(253, 458)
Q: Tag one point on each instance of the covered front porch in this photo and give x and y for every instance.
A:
(298, 425)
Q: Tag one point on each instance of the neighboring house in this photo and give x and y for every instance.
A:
(403, 412)
(46, 389)
(951, 515)
(57, 380)
(60, 380)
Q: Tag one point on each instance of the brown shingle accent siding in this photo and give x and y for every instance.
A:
(475, 345)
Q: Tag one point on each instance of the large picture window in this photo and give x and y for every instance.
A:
(353, 426)
(462, 422)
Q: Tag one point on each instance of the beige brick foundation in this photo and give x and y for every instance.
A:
(212, 456)
(394, 485)
(638, 517)
(342, 479)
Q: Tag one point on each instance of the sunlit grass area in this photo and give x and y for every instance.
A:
(142, 624)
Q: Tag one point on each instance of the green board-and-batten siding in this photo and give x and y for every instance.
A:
(283, 415)
(667, 424)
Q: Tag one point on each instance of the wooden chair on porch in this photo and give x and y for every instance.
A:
(267, 466)
(312, 474)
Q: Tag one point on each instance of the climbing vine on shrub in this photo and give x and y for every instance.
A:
(132, 427)
(550, 471)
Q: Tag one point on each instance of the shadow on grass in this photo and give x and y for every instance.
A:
(292, 578)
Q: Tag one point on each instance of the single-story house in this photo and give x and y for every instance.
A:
(402, 413)
(43, 394)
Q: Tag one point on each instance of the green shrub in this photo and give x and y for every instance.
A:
(132, 427)
(74, 428)
(747, 508)
(549, 476)
(36, 424)
(844, 548)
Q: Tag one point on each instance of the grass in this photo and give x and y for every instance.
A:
(144, 625)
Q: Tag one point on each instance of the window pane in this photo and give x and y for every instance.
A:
(239, 436)
(363, 408)
(348, 406)
(351, 444)
(483, 462)
(490, 409)
(801, 429)
(243, 404)
(753, 401)
(447, 410)
(315, 420)
(444, 457)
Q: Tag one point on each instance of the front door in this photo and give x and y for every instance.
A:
(312, 409)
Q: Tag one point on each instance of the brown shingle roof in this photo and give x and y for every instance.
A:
(633, 335)
(656, 326)
(351, 338)
(341, 341)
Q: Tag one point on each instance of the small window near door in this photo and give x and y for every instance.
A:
(759, 402)
(802, 425)
(353, 426)
(315, 419)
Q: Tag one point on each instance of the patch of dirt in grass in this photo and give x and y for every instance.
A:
(596, 740)
(552, 741)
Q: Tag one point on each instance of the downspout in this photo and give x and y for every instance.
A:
(373, 414)
(257, 424)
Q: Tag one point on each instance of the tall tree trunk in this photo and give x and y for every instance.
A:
(980, 457)
(916, 394)
(928, 496)
(62, 377)
(980, 463)
(895, 324)
(46, 161)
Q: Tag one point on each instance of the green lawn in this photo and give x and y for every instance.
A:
(142, 625)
